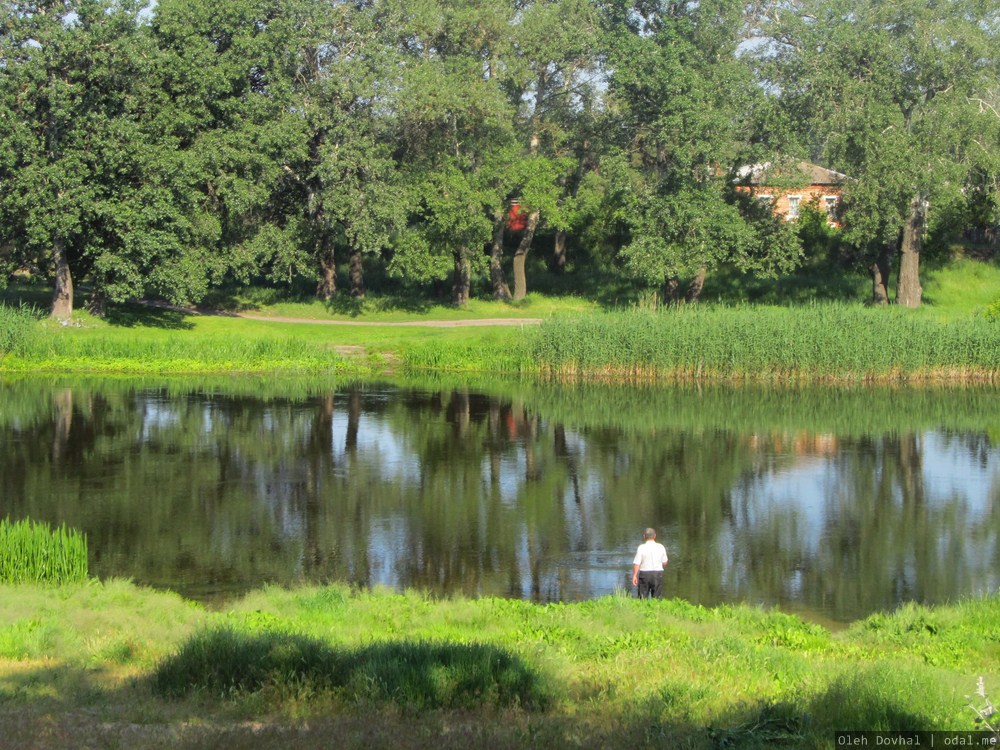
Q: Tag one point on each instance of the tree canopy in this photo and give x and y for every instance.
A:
(174, 148)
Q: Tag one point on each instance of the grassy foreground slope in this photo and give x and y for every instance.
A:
(114, 665)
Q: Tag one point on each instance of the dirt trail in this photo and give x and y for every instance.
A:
(469, 323)
(399, 323)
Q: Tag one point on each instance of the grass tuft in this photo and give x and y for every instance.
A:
(35, 553)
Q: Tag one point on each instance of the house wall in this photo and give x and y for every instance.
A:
(780, 198)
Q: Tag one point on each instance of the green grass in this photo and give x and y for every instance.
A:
(962, 289)
(36, 553)
(167, 342)
(309, 665)
(951, 337)
(394, 307)
(824, 341)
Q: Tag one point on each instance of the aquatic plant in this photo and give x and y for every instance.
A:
(33, 552)
(17, 328)
(821, 342)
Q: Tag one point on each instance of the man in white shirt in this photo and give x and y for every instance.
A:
(647, 567)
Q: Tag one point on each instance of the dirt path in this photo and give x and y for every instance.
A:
(399, 323)
(469, 323)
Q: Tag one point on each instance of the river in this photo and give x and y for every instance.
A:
(829, 503)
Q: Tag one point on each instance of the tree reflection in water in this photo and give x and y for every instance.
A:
(535, 492)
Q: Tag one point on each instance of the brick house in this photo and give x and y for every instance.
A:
(789, 188)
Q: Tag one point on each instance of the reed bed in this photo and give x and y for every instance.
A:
(17, 328)
(822, 342)
(33, 552)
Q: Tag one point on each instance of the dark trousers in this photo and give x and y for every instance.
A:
(650, 584)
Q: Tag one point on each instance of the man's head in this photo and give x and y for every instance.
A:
(649, 534)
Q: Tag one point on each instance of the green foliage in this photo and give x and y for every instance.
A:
(895, 95)
(18, 329)
(419, 676)
(182, 148)
(33, 552)
(821, 242)
(92, 182)
(685, 107)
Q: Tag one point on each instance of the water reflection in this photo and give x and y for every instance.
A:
(528, 492)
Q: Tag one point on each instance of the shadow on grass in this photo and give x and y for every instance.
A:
(819, 280)
(345, 304)
(16, 295)
(148, 316)
(871, 700)
(457, 690)
(225, 662)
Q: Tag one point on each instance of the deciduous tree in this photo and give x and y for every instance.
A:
(891, 92)
(684, 102)
(85, 192)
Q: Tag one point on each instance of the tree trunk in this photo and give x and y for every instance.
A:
(326, 289)
(500, 289)
(908, 290)
(62, 297)
(559, 252)
(63, 403)
(356, 274)
(97, 305)
(521, 255)
(696, 285)
(671, 290)
(463, 278)
(353, 421)
(880, 273)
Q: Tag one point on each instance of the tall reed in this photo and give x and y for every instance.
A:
(33, 552)
(814, 342)
(17, 328)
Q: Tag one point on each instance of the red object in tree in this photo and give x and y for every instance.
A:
(517, 220)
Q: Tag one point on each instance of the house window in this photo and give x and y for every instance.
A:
(793, 206)
(765, 199)
(830, 203)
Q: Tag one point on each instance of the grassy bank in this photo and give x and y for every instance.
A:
(167, 342)
(110, 664)
(949, 339)
(828, 342)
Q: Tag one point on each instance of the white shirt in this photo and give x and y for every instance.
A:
(651, 555)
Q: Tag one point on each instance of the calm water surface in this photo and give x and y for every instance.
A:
(829, 504)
